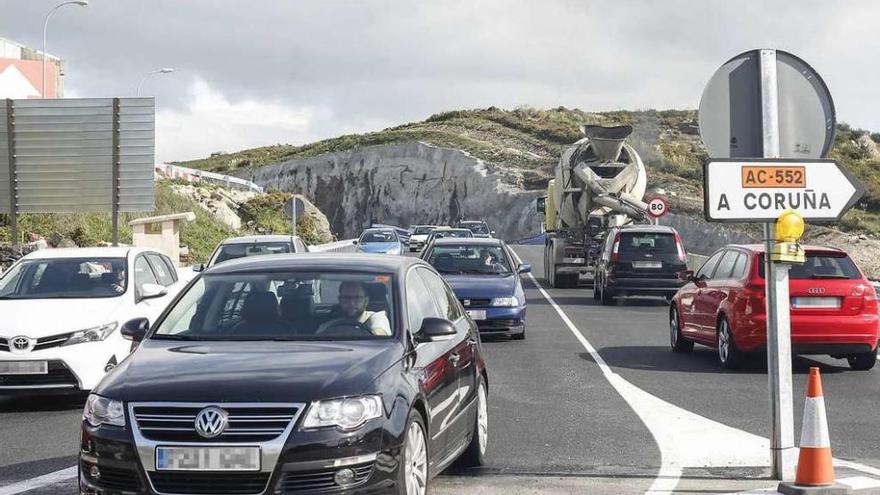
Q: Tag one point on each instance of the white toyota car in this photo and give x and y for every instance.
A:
(61, 312)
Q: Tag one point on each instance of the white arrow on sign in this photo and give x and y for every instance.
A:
(758, 190)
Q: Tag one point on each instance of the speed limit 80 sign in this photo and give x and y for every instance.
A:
(657, 207)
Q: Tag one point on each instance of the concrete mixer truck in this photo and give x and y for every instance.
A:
(599, 184)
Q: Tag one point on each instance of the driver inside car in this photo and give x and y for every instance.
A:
(353, 305)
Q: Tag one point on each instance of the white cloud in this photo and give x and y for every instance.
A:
(211, 122)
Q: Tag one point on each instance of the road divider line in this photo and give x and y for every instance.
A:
(39, 482)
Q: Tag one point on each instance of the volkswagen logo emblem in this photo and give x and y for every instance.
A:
(211, 422)
(20, 344)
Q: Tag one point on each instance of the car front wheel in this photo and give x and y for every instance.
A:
(413, 475)
(863, 362)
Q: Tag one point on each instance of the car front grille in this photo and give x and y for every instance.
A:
(59, 376)
(209, 483)
(246, 424)
(51, 341)
(125, 480)
(321, 481)
(475, 303)
(496, 325)
(42, 342)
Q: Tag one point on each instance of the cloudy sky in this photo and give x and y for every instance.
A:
(257, 72)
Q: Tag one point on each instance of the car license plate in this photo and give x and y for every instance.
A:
(816, 302)
(477, 314)
(24, 367)
(647, 264)
(208, 458)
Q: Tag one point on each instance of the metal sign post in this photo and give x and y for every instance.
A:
(293, 208)
(782, 449)
(772, 117)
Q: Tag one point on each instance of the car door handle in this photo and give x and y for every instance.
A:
(454, 359)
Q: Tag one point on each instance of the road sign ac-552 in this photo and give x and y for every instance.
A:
(758, 190)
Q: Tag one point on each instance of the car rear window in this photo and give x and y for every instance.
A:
(820, 266)
(656, 242)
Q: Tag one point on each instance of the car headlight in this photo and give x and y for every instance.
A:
(505, 302)
(103, 411)
(93, 334)
(345, 414)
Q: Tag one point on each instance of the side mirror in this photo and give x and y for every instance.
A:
(686, 275)
(541, 204)
(524, 268)
(434, 330)
(199, 268)
(136, 329)
(354, 241)
(492, 233)
(152, 291)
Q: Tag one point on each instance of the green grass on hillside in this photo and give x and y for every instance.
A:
(529, 142)
(201, 235)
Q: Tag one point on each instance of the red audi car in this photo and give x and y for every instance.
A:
(833, 307)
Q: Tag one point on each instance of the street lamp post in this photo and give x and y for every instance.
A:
(81, 3)
(164, 70)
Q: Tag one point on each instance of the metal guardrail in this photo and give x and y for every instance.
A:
(345, 246)
(195, 175)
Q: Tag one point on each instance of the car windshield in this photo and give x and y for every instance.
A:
(369, 237)
(464, 259)
(476, 227)
(62, 278)
(655, 242)
(422, 230)
(820, 266)
(283, 305)
(240, 250)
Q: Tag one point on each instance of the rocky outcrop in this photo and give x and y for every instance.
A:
(403, 184)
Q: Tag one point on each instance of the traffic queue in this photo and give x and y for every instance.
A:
(275, 368)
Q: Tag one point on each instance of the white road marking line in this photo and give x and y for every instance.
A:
(39, 482)
(685, 439)
(860, 482)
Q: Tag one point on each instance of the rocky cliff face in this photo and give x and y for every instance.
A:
(404, 184)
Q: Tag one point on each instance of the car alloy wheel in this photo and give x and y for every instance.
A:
(416, 460)
(673, 328)
(678, 342)
(723, 342)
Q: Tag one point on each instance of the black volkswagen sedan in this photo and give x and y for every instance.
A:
(290, 374)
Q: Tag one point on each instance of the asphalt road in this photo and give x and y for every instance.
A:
(560, 420)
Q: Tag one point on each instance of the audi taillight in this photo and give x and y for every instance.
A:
(754, 296)
(615, 254)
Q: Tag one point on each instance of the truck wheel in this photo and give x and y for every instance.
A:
(862, 362)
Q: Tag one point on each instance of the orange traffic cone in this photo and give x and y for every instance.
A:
(815, 471)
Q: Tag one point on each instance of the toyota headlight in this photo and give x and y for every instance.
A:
(345, 414)
(93, 334)
(505, 302)
(103, 411)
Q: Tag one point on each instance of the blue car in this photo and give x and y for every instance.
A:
(379, 240)
(484, 274)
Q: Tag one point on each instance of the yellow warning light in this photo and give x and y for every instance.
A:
(789, 229)
(789, 226)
